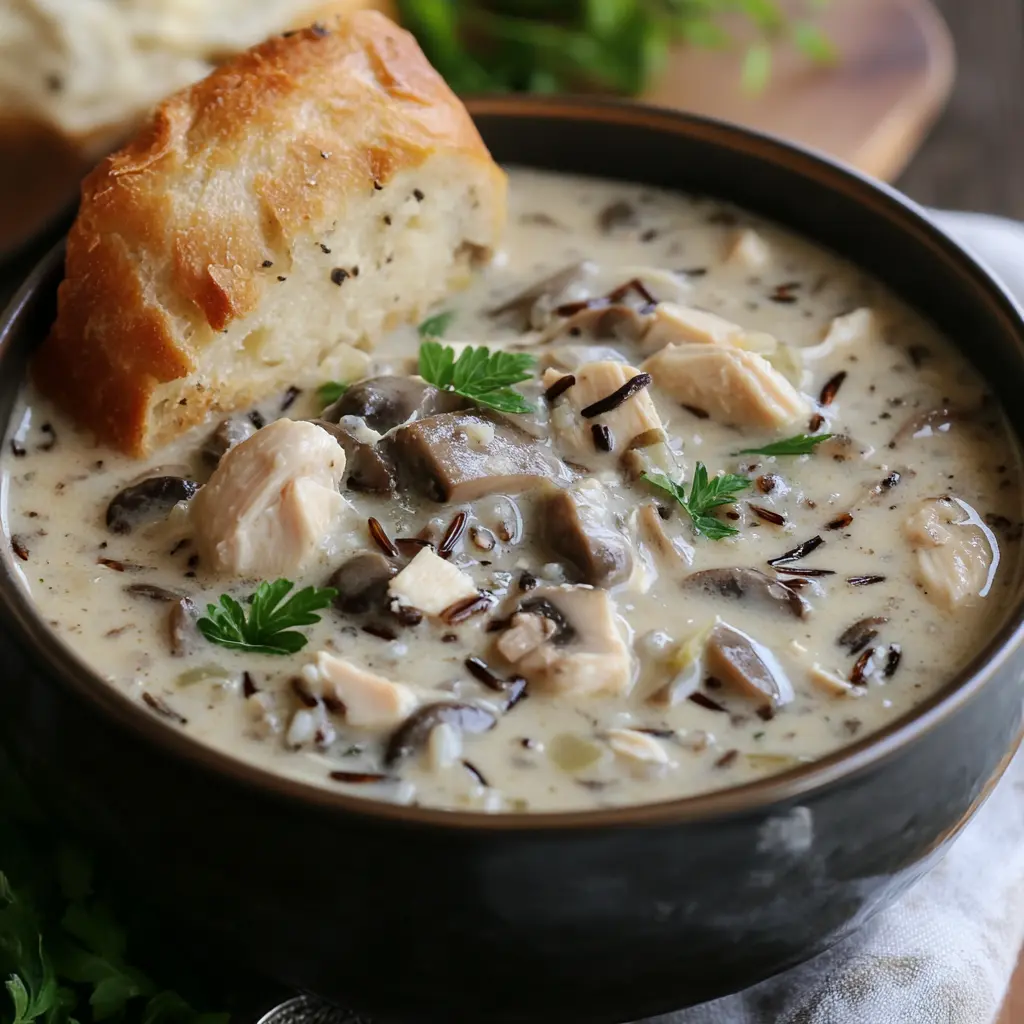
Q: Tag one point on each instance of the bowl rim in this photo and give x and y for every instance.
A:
(786, 787)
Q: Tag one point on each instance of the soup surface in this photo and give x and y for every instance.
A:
(613, 598)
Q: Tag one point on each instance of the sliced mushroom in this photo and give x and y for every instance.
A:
(368, 463)
(271, 502)
(153, 593)
(532, 308)
(750, 585)
(633, 422)
(464, 456)
(740, 662)
(388, 401)
(362, 583)
(930, 423)
(234, 430)
(733, 386)
(957, 554)
(369, 701)
(148, 501)
(579, 526)
(182, 632)
(414, 732)
(856, 637)
(674, 552)
(586, 655)
(431, 584)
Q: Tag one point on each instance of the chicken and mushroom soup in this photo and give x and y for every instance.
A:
(710, 504)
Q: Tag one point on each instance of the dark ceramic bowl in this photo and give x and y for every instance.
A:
(594, 917)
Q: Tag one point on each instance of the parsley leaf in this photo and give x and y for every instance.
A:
(482, 376)
(63, 956)
(268, 627)
(435, 326)
(329, 392)
(705, 494)
(800, 444)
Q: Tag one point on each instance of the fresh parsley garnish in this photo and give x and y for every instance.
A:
(267, 629)
(482, 376)
(435, 326)
(801, 444)
(331, 391)
(705, 495)
(64, 956)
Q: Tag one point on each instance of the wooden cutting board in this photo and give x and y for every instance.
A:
(872, 109)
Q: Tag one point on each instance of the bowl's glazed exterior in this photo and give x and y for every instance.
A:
(597, 917)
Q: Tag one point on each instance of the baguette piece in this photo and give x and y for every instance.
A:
(265, 225)
(89, 70)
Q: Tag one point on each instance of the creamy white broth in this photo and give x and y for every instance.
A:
(563, 751)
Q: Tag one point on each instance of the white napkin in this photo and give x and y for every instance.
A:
(945, 952)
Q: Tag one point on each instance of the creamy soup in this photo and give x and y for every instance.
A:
(597, 602)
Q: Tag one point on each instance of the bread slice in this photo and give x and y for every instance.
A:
(89, 70)
(269, 221)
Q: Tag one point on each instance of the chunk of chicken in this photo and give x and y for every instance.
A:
(431, 584)
(270, 504)
(586, 655)
(633, 423)
(734, 387)
(854, 329)
(957, 554)
(637, 746)
(370, 701)
(526, 633)
(579, 526)
(672, 324)
(749, 249)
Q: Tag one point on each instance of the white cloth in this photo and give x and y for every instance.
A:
(945, 952)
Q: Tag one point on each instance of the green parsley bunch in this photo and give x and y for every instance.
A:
(615, 46)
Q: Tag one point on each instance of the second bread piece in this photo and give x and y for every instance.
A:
(297, 203)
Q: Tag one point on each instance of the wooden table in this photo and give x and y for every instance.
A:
(974, 160)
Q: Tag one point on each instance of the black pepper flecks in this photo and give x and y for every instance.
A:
(339, 275)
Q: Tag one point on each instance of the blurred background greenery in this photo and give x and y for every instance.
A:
(617, 46)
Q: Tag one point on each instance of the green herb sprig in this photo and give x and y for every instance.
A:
(705, 494)
(64, 955)
(799, 444)
(436, 326)
(329, 392)
(269, 626)
(585, 45)
(482, 376)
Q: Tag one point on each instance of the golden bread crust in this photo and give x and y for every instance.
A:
(176, 229)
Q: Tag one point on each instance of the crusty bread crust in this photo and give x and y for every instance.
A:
(175, 231)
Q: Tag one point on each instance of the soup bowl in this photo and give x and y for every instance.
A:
(598, 916)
